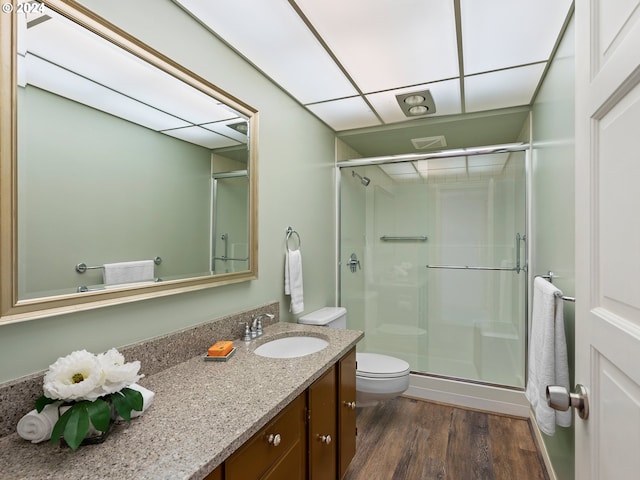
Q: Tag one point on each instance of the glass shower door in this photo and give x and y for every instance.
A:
(439, 282)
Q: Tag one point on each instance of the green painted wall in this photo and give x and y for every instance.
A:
(296, 181)
(553, 208)
(86, 168)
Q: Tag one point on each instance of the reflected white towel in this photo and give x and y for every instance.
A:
(125, 272)
(293, 280)
(37, 427)
(548, 363)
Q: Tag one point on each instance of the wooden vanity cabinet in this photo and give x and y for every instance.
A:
(277, 451)
(347, 430)
(312, 438)
(322, 439)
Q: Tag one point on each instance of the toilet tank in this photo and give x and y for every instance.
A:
(332, 317)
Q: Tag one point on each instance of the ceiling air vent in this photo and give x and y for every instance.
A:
(429, 142)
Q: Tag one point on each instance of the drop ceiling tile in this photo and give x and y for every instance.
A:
(202, 137)
(223, 129)
(385, 44)
(274, 38)
(345, 114)
(498, 34)
(71, 47)
(504, 88)
(446, 96)
(46, 76)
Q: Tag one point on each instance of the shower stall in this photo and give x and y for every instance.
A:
(433, 261)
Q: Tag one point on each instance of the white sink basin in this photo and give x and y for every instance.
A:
(291, 347)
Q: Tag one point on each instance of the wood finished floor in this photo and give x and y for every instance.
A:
(405, 439)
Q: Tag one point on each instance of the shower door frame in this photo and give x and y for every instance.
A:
(406, 158)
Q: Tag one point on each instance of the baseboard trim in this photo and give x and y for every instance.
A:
(542, 448)
(469, 395)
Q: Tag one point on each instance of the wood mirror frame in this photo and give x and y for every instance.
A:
(12, 308)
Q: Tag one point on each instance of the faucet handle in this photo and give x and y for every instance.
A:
(247, 332)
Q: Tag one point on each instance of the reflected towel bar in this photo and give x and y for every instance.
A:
(390, 238)
(82, 267)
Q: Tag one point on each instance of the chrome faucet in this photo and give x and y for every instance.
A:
(256, 324)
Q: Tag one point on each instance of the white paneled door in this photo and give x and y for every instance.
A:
(608, 237)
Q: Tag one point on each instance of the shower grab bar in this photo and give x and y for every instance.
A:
(390, 238)
(549, 276)
(82, 267)
(229, 259)
(466, 267)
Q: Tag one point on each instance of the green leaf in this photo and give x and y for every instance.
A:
(122, 405)
(59, 427)
(135, 398)
(77, 426)
(99, 414)
(42, 402)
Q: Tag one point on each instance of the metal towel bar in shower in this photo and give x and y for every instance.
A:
(466, 267)
(391, 238)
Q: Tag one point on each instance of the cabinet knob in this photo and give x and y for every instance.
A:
(351, 405)
(274, 439)
(326, 439)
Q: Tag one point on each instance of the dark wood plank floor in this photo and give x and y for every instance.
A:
(405, 439)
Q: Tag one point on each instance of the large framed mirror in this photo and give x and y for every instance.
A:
(123, 176)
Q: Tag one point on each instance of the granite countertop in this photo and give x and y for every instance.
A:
(202, 412)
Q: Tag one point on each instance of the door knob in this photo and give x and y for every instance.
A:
(559, 398)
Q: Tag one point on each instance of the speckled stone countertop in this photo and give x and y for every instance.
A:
(202, 412)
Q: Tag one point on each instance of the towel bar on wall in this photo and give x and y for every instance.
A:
(82, 267)
(549, 277)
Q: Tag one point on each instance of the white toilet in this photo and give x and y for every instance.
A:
(378, 377)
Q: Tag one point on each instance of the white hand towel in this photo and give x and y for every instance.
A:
(147, 399)
(37, 427)
(548, 363)
(293, 280)
(125, 272)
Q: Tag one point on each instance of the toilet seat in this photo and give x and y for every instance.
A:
(375, 365)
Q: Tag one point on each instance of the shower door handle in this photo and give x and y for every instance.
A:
(353, 263)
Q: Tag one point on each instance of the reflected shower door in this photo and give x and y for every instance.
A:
(448, 214)
(230, 223)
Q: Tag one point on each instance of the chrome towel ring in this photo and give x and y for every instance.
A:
(290, 232)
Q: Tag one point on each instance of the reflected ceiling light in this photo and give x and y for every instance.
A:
(242, 127)
(416, 103)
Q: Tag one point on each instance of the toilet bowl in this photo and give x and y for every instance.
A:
(378, 377)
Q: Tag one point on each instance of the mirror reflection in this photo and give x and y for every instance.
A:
(125, 173)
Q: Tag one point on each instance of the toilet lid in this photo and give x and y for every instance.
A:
(376, 365)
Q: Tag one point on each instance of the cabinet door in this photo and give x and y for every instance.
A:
(322, 400)
(346, 411)
(215, 475)
(283, 436)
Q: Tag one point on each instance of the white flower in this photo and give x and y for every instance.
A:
(116, 373)
(78, 376)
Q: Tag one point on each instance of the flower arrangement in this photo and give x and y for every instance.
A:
(95, 388)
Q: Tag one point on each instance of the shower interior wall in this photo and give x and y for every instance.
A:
(457, 323)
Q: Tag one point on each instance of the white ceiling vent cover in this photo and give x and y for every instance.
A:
(429, 142)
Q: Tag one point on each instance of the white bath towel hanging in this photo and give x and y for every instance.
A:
(293, 280)
(548, 363)
(125, 272)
